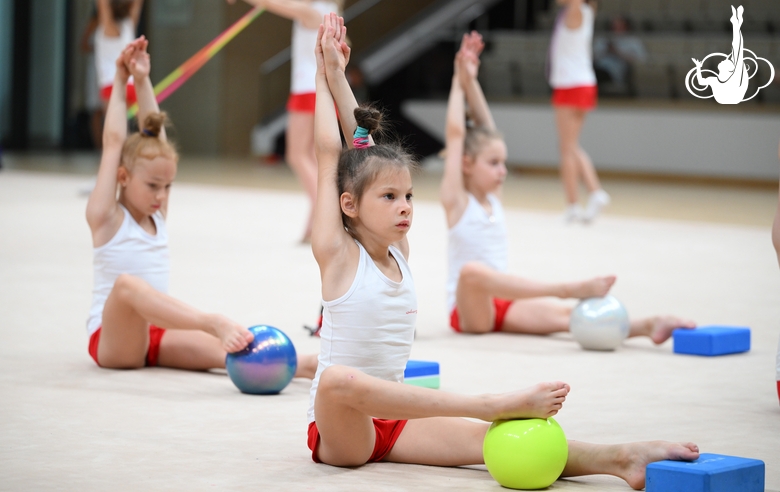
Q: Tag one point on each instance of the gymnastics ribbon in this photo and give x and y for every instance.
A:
(178, 77)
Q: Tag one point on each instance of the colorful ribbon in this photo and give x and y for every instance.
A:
(178, 77)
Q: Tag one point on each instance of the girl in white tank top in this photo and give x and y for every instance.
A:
(359, 411)
(117, 22)
(131, 310)
(574, 94)
(306, 16)
(481, 295)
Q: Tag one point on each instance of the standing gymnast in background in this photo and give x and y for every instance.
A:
(130, 239)
(481, 296)
(299, 143)
(574, 94)
(117, 23)
(359, 409)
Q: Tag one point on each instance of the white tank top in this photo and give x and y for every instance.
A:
(134, 251)
(107, 50)
(371, 327)
(478, 236)
(304, 65)
(571, 52)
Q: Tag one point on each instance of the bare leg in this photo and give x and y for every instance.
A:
(307, 366)
(587, 171)
(300, 156)
(440, 441)
(658, 328)
(479, 284)
(347, 399)
(133, 304)
(569, 126)
(537, 317)
(627, 461)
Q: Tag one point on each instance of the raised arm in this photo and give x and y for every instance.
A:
(337, 52)
(573, 15)
(139, 65)
(453, 192)
(297, 10)
(328, 238)
(471, 47)
(135, 11)
(106, 18)
(103, 213)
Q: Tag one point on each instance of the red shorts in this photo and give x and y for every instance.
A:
(155, 336)
(500, 305)
(303, 103)
(105, 93)
(579, 97)
(387, 433)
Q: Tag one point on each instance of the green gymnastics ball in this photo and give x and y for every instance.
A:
(525, 454)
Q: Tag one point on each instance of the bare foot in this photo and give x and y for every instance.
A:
(661, 327)
(595, 287)
(634, 457)
(542, 400)
(233, 336)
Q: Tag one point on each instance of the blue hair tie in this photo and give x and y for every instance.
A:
(360, 138)
(148, 133)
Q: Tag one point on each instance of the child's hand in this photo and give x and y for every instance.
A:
(334, 47)
(121, 68)
(318, 50)
(138, 63)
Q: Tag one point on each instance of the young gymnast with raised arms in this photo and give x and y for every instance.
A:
(359, 410)
(481, 296)
(299, 138)
(131, 260)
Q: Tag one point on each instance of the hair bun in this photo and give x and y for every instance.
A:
(153, 124)
(369, 118)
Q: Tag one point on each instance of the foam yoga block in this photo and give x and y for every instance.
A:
(422, 373)
(712, 340)
(710, 473)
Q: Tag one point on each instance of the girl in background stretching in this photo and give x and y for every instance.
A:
(133, 322)
(481, 296)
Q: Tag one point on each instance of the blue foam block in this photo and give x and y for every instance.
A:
(419, 368)
(712, 340)
(710, 473)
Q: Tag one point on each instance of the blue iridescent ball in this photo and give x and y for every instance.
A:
(266, 365)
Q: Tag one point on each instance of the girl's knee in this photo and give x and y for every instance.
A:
(336, 381)
(126, 284)
(474, 274)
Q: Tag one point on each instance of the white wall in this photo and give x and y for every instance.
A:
(720, 143)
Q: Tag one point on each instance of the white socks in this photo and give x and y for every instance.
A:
(596, 201)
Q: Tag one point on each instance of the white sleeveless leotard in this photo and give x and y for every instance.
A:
(571, 53)
(371, 327)
(304, 65)
(107, 50)
(134, 251)
(478, 236)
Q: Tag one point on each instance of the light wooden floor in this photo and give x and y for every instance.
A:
(717, 202)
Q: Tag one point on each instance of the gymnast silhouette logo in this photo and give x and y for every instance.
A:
(730, 84)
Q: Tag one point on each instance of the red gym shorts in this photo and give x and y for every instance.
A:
(303, 103)
(131, 98)
(500, 305)
(155, 336)
(578, 97)
(387, 433)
